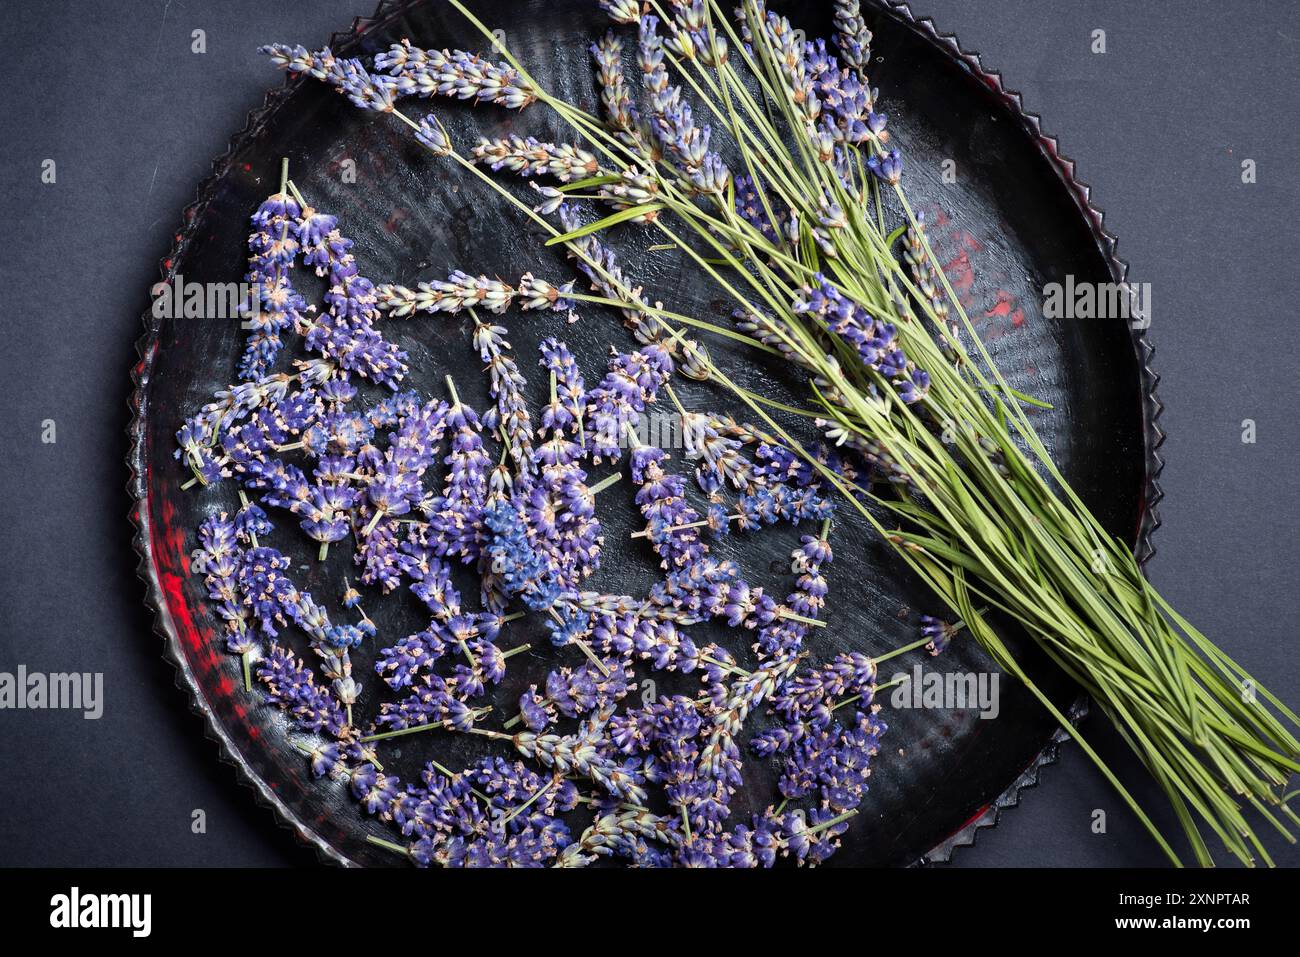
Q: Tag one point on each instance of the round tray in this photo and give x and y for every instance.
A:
(1015, 220)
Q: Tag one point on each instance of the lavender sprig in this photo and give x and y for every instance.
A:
(455, 73)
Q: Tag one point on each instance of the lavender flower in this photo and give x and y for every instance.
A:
(622, 11)
(291, 685)
(456, 513)
(620, 112)
(875, 342)
(431, 702)
(670, 518)
(456, 74)
(531, 157)
(348, 76)
(607, 278)
(888, 167)
(536, 712)
(433, 136)
(511, 412)
(621, 834)
(523, 569)
(612, 407)
(274, 245)
(566, 408)
(939, 634)
(671, 119)
(851, 34)
(346, 334)
(267, 590)
(512, 788)
(220, 559)
(579, 754)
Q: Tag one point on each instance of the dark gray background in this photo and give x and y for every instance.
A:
(113, 93)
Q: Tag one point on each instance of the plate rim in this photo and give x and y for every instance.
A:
(146, 346)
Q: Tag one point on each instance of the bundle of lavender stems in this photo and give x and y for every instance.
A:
(766, 161)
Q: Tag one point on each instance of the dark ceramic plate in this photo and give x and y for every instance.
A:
(1015, 220)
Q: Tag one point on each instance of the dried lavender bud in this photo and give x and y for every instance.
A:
(851, 34)
(939, 634)
(274, 245)
(433, 136)
(620, 112)
(522, 567)
(458, 512)
(220, 559)
(566, 408)
(876, 342)
(579, 754)
(671, 120)
(528, 156)
(347, 76)
(888, 167)
(454, 73)
(669, 516)
(622, 11)
(539, 294)
(510, 415)
(537, 712)
(612, 407)
(292, 686)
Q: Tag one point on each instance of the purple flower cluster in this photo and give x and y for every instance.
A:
(220, 559)
(493, 814)
(835, 104)
(875, 342)
(522, 566)
(505, 384)
(412, 72)
(240, 432)
(564, 413)
(273, 246)
(292, 686)
(461, 291)
(671, 120)
(394, 487)
(455, 517)
(527, 156)
(938, 634)
(671, 520)
(851, 34)
(749, 204)
(848, 116)
(612, 407)
(346, 334)
(775, 485)
(455, 73)
(304, 442)
(621, 112)
(621, 11)
(786, 635)
(348, 75)
(824, 756)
